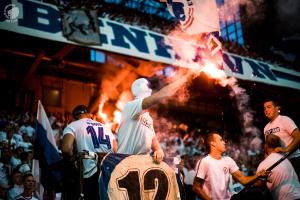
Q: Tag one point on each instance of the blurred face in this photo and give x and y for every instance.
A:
(17, 178)
(271, 111)
(219, 143)
(29, 183)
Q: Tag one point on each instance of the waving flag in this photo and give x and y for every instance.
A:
(44, 136)
(198, 16)
(46, 151)
(200, 20)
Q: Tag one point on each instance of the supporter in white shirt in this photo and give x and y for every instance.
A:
(213, 171)
(136, 134)
(283, 182)
(286, 129)
(17, 185)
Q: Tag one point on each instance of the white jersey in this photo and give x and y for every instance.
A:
(283, 181)
(136, 129)
(283, 127)
(91, 136)
(216, 175)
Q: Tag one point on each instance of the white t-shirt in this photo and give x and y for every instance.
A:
(91, 136)
(189, 177)
(283, 181)
(216, 175)
(136, 129)
(283, 127)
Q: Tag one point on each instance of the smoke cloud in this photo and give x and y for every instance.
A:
(252, 8)
(289, 15)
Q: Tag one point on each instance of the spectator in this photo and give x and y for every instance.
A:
(17, 187)
(29, 184)
(92, 136)
(283, 182)
(213, 171)
(136, 134)
(286, 129)
(24, 167)
(15, 159)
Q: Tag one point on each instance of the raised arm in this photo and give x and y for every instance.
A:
(166, 91)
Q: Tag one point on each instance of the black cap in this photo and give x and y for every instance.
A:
(78, 110)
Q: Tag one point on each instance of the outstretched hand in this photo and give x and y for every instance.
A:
(279, 150)
(158, 155)
(263, 173)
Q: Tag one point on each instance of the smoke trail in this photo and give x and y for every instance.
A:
(253, 9)
(242, 102)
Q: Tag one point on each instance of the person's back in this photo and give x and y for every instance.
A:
(136, 129)
(90, 136)
(283, 182)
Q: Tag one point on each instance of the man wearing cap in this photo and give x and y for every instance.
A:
(91, 136)
(136, 134)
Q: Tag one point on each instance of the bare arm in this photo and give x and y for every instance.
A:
(246, 180)
(158, 154)
(197, 188)
(294, 144)
(115, 146)
(67, 145)
(166, 91)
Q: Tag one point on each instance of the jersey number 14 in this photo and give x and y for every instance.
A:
(98, 138)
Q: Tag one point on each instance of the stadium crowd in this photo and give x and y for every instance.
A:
(17, 133)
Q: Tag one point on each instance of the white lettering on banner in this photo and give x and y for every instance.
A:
(43, 20)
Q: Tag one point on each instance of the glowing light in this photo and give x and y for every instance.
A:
(117, 116)
(100, 113)
(212, 71)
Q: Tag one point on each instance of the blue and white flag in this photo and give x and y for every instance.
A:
(44, 136)
(196, 16)
(200, 20)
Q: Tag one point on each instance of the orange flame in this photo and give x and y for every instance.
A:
(117, 116)
(100, 113)
(213, 71)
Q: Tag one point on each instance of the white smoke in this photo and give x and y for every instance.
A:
(253, 9)
(242, 102)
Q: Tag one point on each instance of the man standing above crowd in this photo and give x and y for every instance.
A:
(90, 136)
(213, 171)
(136, 134)
(286, 129)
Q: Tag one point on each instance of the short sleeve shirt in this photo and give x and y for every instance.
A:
(216, 175)
(136, 129)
